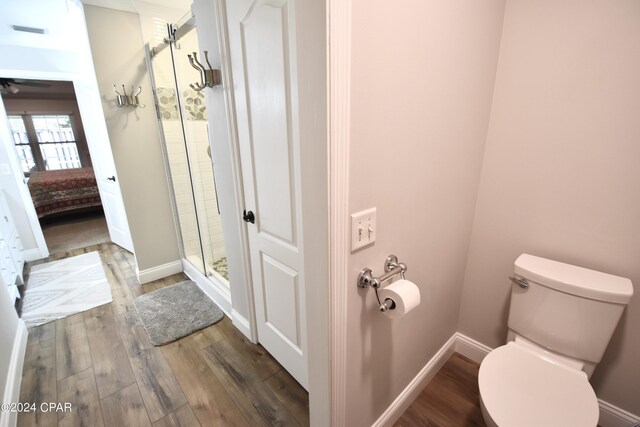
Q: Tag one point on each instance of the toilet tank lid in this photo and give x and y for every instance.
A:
(574, 280)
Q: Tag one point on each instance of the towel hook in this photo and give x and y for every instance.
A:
(209, 77)
(124, 100)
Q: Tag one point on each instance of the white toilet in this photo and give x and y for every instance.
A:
(561, 319)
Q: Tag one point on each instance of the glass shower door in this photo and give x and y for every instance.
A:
(170, 121)
(183, 117)
(196, 129)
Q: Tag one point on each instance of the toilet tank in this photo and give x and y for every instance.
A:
(567, 309)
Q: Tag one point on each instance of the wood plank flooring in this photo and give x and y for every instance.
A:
(103, 363)
(75, 231)
(451, 399)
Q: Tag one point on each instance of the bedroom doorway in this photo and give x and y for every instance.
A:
(49, 140)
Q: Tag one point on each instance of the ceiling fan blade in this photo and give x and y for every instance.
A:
(30, 83)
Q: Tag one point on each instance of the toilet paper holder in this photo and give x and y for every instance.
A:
(392, 268)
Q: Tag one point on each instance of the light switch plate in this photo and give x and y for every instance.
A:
(363, 229)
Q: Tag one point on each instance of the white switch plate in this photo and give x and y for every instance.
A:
(363, 229)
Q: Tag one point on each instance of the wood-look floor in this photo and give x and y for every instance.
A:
(75, 231)
(451, 399)
(103, 363)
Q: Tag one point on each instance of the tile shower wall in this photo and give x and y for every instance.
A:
(181, 186)
(204, 186)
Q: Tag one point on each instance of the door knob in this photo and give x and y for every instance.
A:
(248, 217)
(111, 178)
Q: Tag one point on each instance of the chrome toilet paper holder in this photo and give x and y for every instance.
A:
(392, 268)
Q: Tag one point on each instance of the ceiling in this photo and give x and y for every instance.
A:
(138, 6)
(61, 20)
(56, 17)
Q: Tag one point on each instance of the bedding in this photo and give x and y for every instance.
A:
(64, 190)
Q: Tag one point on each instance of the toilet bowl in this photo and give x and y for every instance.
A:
(521, 388)
(561, 318)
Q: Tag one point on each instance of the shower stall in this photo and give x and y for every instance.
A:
(182, 117)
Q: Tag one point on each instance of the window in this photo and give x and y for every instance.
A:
(21, 141)
(45, 142)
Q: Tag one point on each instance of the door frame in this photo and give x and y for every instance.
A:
(339, 105)
(92, 142)
(41, 250)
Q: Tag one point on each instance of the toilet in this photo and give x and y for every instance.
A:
(561, 318)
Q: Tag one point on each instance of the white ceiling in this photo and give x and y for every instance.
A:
(138, 6)
(61, 21)
(54, 16)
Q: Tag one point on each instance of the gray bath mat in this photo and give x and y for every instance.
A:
(176, 311)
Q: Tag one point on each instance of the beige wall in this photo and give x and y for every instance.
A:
(422, 82)
(118, 55)
(560, 176)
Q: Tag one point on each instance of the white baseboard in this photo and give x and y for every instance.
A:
(218, 292)
(610, 415)
(32, 254)
(470, 348)
(14, 377)
(159, 272)
(240, 322)
(417, 384)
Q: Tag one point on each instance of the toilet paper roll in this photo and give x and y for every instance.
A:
(404, 293)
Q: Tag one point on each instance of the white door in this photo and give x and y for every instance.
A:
(113, 206)
(104, 167)
(262, 46)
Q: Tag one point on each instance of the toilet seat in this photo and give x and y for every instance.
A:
(519, 387)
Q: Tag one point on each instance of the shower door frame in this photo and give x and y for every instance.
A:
(211, 285)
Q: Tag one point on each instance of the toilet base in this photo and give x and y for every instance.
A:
(486, 416)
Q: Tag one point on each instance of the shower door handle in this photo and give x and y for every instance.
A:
(248, 217)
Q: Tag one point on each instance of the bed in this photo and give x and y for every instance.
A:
(63, 191)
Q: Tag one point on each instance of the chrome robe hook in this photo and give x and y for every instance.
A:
(124, 100)
(208, 76)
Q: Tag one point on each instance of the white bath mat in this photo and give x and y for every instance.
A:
(61, 288)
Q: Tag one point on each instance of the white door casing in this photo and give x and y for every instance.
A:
(95, 126)
(88, 98)
(262, 45)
